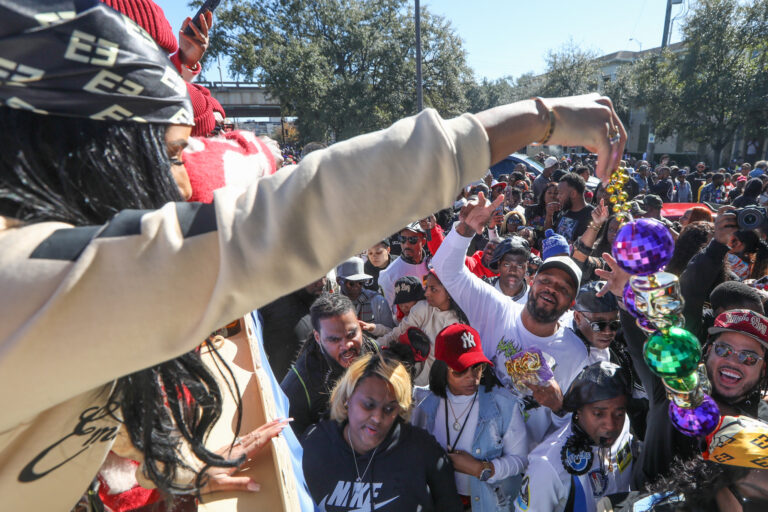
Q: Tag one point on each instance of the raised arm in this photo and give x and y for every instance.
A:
(482, 303)
(186, 269)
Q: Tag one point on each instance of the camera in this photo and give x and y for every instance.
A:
(751, 217)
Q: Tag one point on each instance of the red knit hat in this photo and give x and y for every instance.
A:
(149, 16)
(203, 106)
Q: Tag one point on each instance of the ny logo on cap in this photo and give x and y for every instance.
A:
(468, 341)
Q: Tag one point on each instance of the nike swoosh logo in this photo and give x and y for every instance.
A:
(376, 506)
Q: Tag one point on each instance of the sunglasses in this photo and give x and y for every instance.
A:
(613, 325)
(363, 282)
(413, 240)
(745, 357)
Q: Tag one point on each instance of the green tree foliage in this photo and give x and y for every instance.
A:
(571, 70)
(717, 83)
(622, 89)
(489, 93)
(343, 67)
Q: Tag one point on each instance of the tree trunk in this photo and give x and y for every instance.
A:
(717, 149)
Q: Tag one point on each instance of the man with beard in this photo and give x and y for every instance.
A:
(412, 261)
(337, 340)
(514, 331)
(734, 355)
(510, 260)
(576, 213)
(592, 455)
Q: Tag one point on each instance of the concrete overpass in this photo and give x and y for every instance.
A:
(244, 99)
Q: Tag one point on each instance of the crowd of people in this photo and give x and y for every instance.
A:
(180, 302)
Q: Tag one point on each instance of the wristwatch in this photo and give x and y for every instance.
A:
(487, 471)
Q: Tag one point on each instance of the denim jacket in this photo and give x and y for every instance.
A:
(495, 413)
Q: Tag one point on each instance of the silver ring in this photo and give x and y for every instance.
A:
(616, 138)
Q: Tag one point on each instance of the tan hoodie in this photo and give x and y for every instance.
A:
(83, 306)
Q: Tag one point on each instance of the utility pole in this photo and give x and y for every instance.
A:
(419, 92)
(664, 43)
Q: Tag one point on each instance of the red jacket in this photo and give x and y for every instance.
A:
(473, 263)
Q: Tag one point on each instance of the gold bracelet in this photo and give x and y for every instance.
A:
(594, 226)
(551, 126)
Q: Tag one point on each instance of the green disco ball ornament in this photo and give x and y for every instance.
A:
(685, 384)
(674, 356)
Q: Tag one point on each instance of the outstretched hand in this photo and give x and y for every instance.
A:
(476, 214)
(590, 121)
(616, 279)
(222, 479)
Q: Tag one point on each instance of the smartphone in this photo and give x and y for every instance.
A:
(209, 5)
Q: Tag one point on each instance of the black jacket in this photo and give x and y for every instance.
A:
(280, 320)
(705, 271)
(662, 441)
(309, 382)
(409, 471)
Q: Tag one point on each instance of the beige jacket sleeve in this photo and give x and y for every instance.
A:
(152, 288)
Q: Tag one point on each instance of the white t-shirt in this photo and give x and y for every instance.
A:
(459, 405)
(397, 269)
(497, 319)
(546, 483)
(522, 299)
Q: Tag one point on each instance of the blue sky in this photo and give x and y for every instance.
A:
(511, 37)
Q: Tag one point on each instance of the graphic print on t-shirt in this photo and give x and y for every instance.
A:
(354, 497)
(566, 227)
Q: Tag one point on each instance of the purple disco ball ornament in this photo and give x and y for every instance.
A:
(697, 422)
(643, 247)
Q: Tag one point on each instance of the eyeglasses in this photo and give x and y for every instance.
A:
(745, 357)
(613, 325)
(362, 282)
(413, 240)
(476, 370)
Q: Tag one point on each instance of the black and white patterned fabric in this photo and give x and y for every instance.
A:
(79, 58)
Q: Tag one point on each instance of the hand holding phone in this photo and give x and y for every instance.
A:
(208, 6)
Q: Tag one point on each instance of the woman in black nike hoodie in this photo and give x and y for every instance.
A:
(367, 457)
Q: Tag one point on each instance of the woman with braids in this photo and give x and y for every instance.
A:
(109, 282)
(367, 457)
